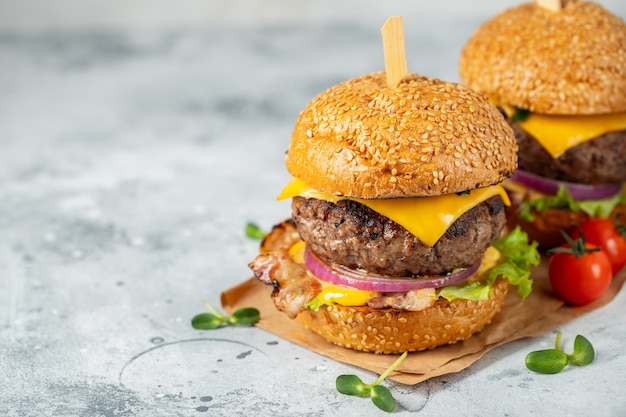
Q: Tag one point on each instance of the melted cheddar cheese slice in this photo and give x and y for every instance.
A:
(331, 293)
(427, 218)
(517, 188)
(557, 134)
(349, 297)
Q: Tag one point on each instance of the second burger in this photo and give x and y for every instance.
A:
(560, 78)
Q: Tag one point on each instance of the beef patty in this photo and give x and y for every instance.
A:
(599, 161)
(351, 234)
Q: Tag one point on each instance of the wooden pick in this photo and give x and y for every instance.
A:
(393, 46)
(552, 5)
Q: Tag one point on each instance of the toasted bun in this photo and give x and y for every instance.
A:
(567, 62)
(425, 137)
(396, 331)
(546, 225)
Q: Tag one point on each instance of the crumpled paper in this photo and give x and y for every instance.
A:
(540, 312)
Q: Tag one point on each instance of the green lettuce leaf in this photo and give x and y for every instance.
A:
(563, 200)
(517, 256)
(315, 304)
(473, 291)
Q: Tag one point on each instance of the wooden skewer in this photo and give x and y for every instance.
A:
(393, 46)
(552, 5)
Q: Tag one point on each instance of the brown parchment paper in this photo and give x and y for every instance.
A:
(541, 311)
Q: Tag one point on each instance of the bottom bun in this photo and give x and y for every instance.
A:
(395, 331)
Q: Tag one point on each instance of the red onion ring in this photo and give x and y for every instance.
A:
(577, 191)
(378, 283)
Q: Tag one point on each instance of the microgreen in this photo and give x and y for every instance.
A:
(253, 231)
(553, 361)
(213, 320)
(380, 395)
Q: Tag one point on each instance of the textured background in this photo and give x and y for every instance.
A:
(136, 140)
(159, 14)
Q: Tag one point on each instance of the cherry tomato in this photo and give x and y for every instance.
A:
(603, 232)
(580, 278)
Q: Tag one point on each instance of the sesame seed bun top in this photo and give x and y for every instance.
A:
(567, 62)
(425, 137)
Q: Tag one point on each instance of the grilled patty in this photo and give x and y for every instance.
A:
(599, 161)
(351, 234)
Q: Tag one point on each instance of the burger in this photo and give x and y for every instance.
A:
(559, 77)
(395, 241)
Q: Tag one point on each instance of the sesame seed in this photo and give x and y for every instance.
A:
(567, 81)
(414, 122)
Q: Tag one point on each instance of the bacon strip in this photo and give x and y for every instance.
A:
(294, 288)
(414, 300)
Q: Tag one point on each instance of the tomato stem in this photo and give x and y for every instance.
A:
(619, 227)
(577, 247)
